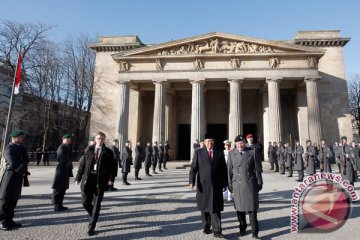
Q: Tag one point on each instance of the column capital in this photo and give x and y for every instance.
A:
(159, 80)
(235, 80)
(314, 79)
(199, 80)
(273, 79)
(122, 81)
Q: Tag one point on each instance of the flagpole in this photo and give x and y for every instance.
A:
(7, 128)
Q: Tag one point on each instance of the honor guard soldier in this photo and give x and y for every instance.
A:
(289, 158)
(155, 157)
(139, 158)
(166, 153)
(148, 158)
(16, 161)
(310, 156)
(298, 160)
(325, 155)
(347, 166)
(280, 154)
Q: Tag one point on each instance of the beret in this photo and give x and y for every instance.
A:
(17, 133)
(66, 136)
(249, 136)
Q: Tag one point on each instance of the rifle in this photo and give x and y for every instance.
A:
(321, 158)
(343, 159)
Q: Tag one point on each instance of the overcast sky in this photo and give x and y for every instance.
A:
(156, 21)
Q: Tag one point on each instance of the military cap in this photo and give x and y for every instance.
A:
(17, 133)
(227, 142)
(208, 136)
(344, 137)
(239, 138)
(249, 136)
(66, 136)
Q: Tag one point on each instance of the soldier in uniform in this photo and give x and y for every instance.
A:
(336, 150)
(62, 173)
(139, 158)
(270, 156)
(148, 158)
(280, 154)
(274, 156)
(115, 149)
(289, 158)
(155, 157)
(161, 151)
(325, 155)
(298, 160)
(16, 161)
(208, 171)
(126, 163)
(354, 157)
(310, 155)
(166, 153)
(347, 166)
(95, 174)
(245, 182)
(254, 146)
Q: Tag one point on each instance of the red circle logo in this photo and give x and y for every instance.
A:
(325, 206)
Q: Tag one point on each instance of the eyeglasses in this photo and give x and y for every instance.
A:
(100, 138)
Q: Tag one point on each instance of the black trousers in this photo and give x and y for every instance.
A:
(91, 200)
(147, 170)
(301, 174)
(253, 221)
(154, 167)
(160, 166)
(211, 219)
(282, 168)
(137, 172)
(7, 210)
(124, 176)
(58, 196)
(290, 171)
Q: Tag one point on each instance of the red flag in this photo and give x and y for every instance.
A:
(18, 74)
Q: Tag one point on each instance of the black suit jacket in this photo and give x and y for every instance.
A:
(106, 168)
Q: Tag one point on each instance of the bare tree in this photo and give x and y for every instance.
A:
(354, 99)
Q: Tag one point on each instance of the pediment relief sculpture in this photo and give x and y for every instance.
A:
(197, 63)
(124, 66)
(216, 45)
(274, 62)
(313, 62)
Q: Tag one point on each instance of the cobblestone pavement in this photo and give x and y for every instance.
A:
(158, 207)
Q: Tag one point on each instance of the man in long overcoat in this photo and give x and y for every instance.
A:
(298, 160)
(245, 182)
(148, 159)
(310, 155)
(280, 154)
(161, 155)
(325, 154)
(126, 162)
(289, 158)
(95, 173)
(115, 149)
(208, 168)
(62, 173)
(155, 157)
(139, 158)
(16, 161)
(166, 153)
(347, 166)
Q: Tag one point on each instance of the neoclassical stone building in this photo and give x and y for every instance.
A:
(221, 84)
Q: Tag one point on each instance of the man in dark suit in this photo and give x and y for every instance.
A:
(208, 168)
(148, 158)
(139, 158)
(62, 173)
(16, 161)
(155, 157)
(245, 181)
(166, 153)
(95, 173)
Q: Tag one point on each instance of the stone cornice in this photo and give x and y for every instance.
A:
(115, 47)
(333, 42)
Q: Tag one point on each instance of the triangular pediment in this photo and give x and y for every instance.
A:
(217, 43)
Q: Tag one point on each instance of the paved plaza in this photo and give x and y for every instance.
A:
(158, 207)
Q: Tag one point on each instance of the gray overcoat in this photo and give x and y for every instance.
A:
(244, 179)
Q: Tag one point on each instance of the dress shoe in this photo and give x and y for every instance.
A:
(91, 232)
(126, 183)
(137, 178)
(8, 226)
(59, 208)
(155, 173)
(289, 176)
(206, 231)
(299, 180)
(271, 169)
(218, 235)
(148, 175)
(113, 189)
(255, 236)
(165, 168)
(161, 170)
(282, 173)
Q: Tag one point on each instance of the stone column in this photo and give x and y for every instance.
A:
(265, 122)
(197, 112)
(159, 112)
(123, 115)
(313, 110)
(235, 114)
(274, 110)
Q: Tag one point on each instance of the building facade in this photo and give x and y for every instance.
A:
(222, 85)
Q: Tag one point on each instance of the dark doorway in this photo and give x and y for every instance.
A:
(184, 141)
(219, 132)
(250, 128)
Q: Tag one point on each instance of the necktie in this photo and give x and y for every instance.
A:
(97, 154)
(209, 154)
